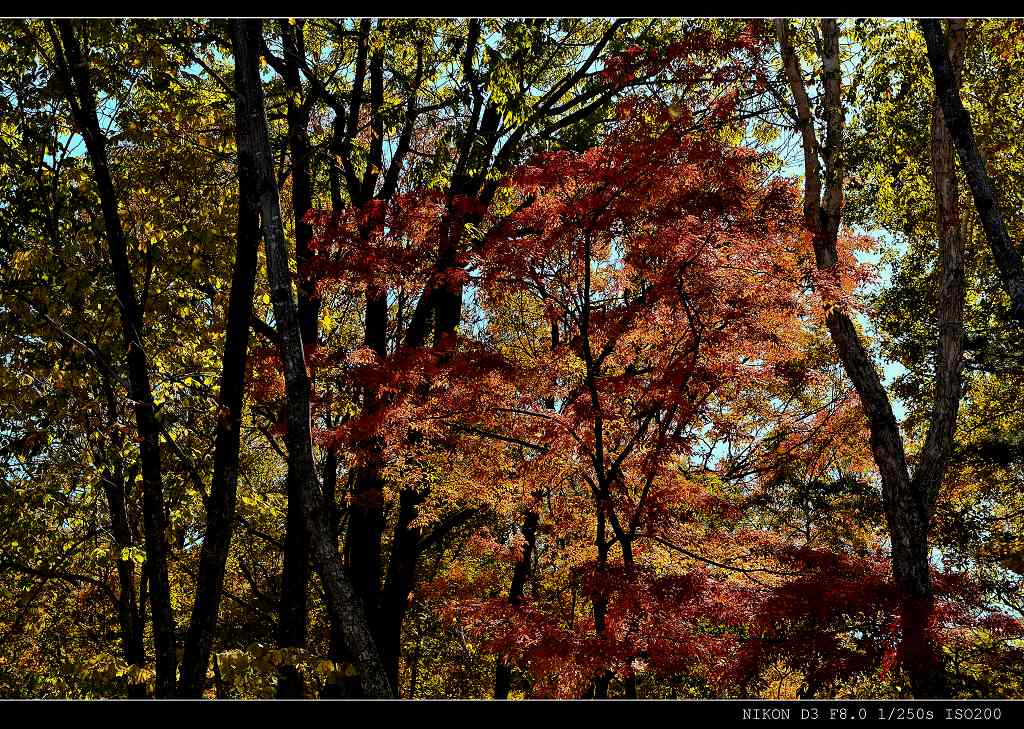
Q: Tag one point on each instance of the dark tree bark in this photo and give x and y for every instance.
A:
(366, 522)
(344, 687)
(599, 602)
(950, 313)
(220, 506)
(400, 580)
(399, 583)
(116, 487)
(503, 670)
(132, 626)
(73, 70)
(908, 500)
(958, 122)
(930, 679)
(366, 511)
(298, 113)
(294, 609)
(343, 603)
(440, 303)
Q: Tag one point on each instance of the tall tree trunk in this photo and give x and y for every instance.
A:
(220, 506)
(293, 614)
(400, 582)
(337, 687)
(958, 122)
(365, 529)
(908, 501)
(929, 678)
(366, 511)
(342, 601)
(441, 300)
(298, 112)
(73, 69)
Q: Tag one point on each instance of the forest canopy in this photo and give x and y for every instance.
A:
(511, 358)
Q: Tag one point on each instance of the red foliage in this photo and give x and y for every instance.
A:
(674, 269)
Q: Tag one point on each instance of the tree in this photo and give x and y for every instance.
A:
(542, 396)
(73, 70)
(663, 265)
(909, 498)
(344, 603)
(220, 505)
(958, 122)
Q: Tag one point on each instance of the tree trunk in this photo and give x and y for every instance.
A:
(401, 579)
(923, 662)
(366, 510)
(907, 501)
(302, 179)
(343, 687)
(958, 122)
(503, 671)
(220, 506)
(132, 626)
(293, 612)
(73, 69)
(342, 600)
(292, 625)
(294, 608)
(600, 601)
(116, 487)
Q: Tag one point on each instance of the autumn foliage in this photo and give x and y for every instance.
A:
(578, 422)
